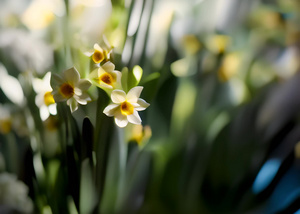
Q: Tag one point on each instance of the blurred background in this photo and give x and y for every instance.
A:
(222, 133)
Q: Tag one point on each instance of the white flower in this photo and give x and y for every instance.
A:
(26, 51)
(14, 193)
(125, 107)
(44, 98)
(106, 77)
(70, 88)
(100, 54)
(11, 86)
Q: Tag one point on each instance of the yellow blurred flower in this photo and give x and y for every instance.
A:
(140, 134)
(191, 44)
(229, 67)
(5, 120)
(41, 13)
(218, 43)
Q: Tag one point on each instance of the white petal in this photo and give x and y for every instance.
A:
(104, 85)
(38, 85)
(77, 91)
(46, 81)
(85, 96)
(52, 109)
(44, 112)
(134, 94)
(108, 66)
(83, 99)
(39, 99)
(121, 120)
(142, 105)
(97, 47)
(73, 104)
(118, 76)
(110, 110)
(118, 96)
(55, 81)
(100, 71)
(94, 74)
(84, 84)
(12, 89)
(72, 75)
(80, 101)
(42, 85)
(134, 118)
(88, 53)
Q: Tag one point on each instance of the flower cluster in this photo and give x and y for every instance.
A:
(71, 88)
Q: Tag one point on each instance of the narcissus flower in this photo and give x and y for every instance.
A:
(106, 77)
(44, 98)
(70, 88)
(125, 107)
(100, 54)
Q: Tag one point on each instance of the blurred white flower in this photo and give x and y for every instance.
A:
(14, 194)
(10, 10)
(125, 107)
(106, 77)
(11, 87)
(25, 51)
(88, 18)
(44, 99)
(41, 13)
(70, 88)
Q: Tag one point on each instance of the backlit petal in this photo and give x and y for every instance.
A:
(83, 99)
(118, 96)
(134, 118)
(110, 110)
(134, 93)
(72, 75)
(88, 53)
(108, 66)
(98, 48)
(142, 105)
(73, 104)
(84, 85)
(121, 120)
(55, 81)
(104, 85)
(118, 75)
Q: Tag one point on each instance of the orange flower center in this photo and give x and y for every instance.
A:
(126, 108)
(67, 90)
(48, 98)
(107, 78)
(98, 56)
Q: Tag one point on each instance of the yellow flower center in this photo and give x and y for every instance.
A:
(107, 78)
(48, 98)
(66, 90)
(5, 126)
(98, 56)
(126, 108)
